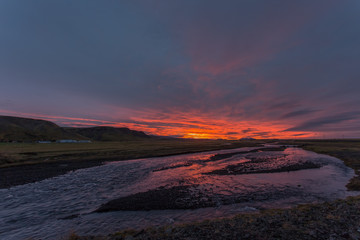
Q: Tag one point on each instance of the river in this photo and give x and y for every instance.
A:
(52, 208)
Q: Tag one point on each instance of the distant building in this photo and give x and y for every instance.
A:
(44, 141)
(66, 141)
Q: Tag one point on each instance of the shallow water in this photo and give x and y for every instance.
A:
(38, 210)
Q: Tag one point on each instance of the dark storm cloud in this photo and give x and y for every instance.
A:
(299, 134)
(248, 130)
(297, 113)
(232, 133)
(316, 124)
(261, 134)
(270, 62)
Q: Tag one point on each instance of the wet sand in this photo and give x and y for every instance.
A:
(244, 168)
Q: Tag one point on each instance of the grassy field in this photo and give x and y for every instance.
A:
(12, 154)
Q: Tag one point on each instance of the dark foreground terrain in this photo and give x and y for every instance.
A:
(334, 220)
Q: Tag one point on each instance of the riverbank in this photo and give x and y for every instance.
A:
(22, 163)
(346, 150)
(332, 220)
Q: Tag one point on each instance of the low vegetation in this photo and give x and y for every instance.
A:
(12, 154)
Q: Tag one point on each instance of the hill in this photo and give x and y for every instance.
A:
(31, 130)
(108, 133)
(26, 129)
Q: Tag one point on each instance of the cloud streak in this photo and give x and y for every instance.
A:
(320, 123)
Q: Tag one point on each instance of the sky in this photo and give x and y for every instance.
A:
(185, 68)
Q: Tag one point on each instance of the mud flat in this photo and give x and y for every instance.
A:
(178, 197)
(23, 174)
(186, 197)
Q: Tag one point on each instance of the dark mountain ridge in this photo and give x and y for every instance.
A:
(108, 133)
(31, 130)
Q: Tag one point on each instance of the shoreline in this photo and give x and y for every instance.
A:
(338, 219)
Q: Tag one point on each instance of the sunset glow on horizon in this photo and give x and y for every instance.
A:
(197, 128)
(188, 69)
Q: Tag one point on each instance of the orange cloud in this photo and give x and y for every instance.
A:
(183, 124)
